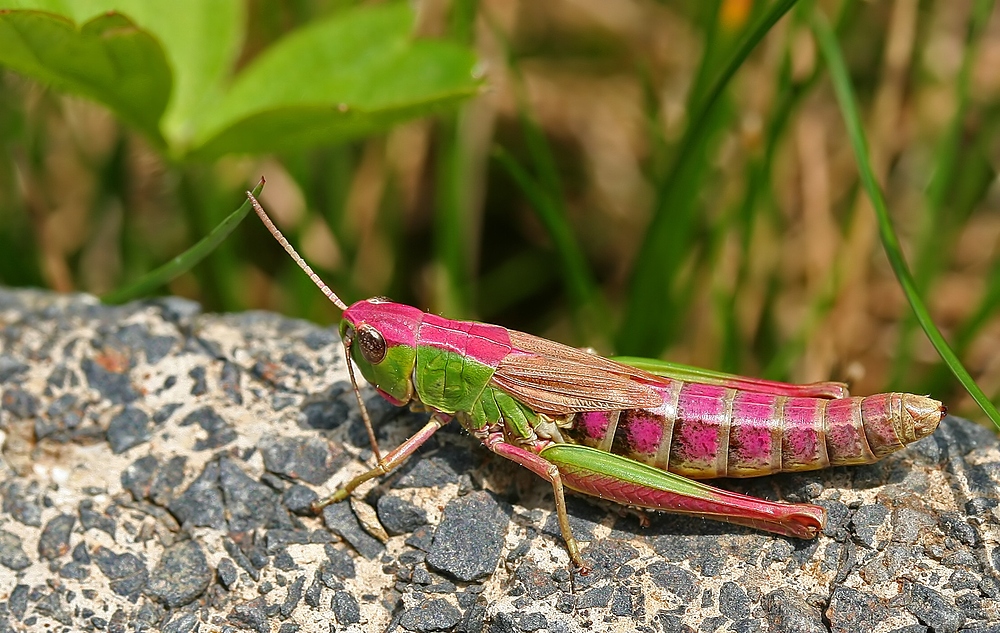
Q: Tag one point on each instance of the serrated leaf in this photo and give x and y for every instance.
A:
(355, 73)
(108, 59)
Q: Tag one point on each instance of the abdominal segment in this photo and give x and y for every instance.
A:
(704, 431)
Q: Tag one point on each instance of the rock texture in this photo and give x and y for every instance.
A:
(158, 464)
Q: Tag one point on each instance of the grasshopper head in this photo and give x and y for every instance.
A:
(382, 339)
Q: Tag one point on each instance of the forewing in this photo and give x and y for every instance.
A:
(557, 379)
(676, 371)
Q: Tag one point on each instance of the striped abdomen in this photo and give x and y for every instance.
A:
(704, 431)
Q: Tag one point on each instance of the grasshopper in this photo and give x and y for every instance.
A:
(635, 431)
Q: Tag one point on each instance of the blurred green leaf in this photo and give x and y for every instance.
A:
(108, 59)
(353, 74)
(201, 40)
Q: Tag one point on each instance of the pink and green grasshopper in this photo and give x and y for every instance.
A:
(633, 431)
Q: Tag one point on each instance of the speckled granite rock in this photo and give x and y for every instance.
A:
(157, 464)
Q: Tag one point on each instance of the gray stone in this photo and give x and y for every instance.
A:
(677, 580)
(310, 459)
(127, 429)
(20, 500)
(851, 610)
(115, 386)
(468, 542)
(787, 612)
(251, 615)
(292, 597)
(165, 412)
(338, 562)
(958, 527)
(157, 348)
(597, 597)
(200, 386)
(345, 608)
(908, 525)
(229, 382)
(325, 414)
(241, 559)
(202, 503)
(533, 622)
(422, 538)
(733, 602)
(138, 477)
(931, 608)
(80, 554)
(11, 368)
(317, 339)
(166, 479)
(340, 519)
(62, 377)
(866, 520)
(181, 623)
(20, 403)
(54, 540)
(538, 583)
(249, 504)
(428, 472)
(431, 615)
(177, 309)
(17, 603)
(314, 594)
(12, 554)
(299, 499)
(399, 516)
(284, 561)
(226, 572)
(62, 419)
(621, 602)
(50, 605)
(181, 575)
(219, 431)
(128, 574)
(278, 540)
(74, 570)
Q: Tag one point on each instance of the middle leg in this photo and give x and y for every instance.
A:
(549, 472)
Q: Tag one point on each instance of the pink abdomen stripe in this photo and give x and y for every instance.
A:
(705, 431)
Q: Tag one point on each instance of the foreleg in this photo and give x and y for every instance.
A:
(388, 463)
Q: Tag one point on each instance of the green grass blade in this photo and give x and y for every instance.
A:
(452, 223)
(639, 332)
(544, 190)
(457, 217)
(830, 50)
(186, 260)
(580, 284)
(936, 229)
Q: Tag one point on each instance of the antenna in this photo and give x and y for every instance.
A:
(330, 294)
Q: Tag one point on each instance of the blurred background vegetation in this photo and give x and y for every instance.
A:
(547, 166)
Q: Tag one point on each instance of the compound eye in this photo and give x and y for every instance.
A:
(372, 344)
